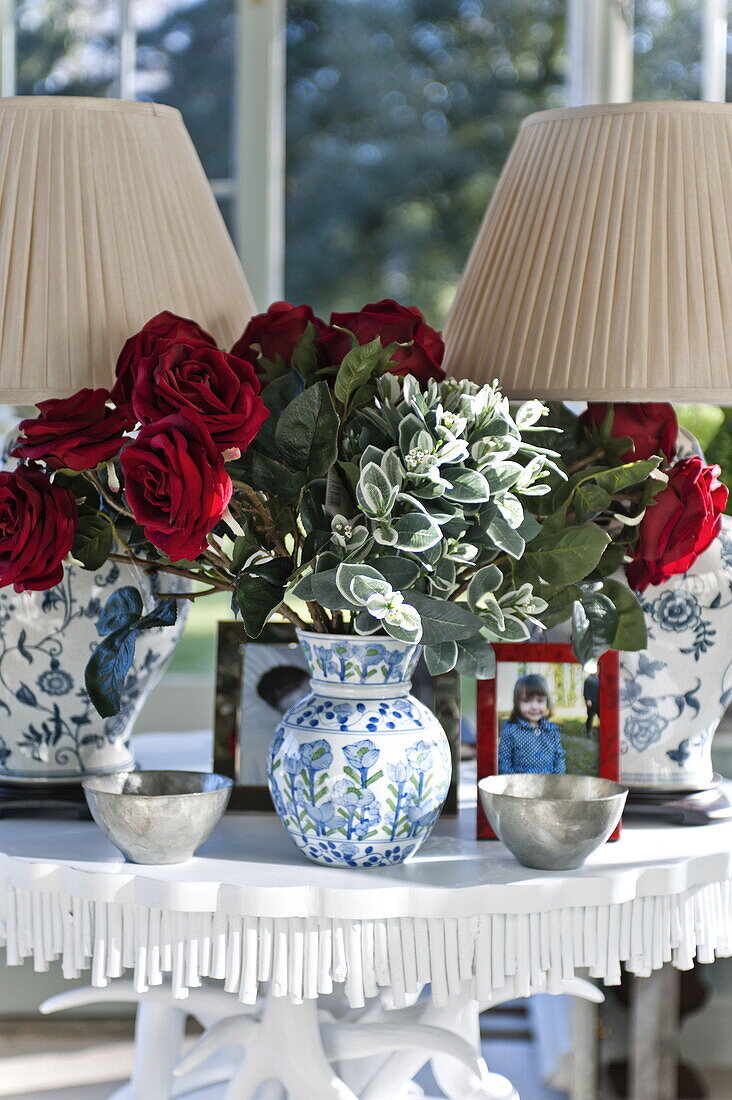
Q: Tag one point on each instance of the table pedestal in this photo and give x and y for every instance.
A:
(290, 1051)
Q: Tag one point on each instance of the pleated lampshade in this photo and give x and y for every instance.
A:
(603, 267)
(106, 218)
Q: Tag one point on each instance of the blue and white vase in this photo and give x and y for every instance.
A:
(50, 734)
(674, 693)
(359, 769)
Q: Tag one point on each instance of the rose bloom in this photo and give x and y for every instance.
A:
(221, 389)
(37, 525)
(276, 332)
(74, 433)
(392, 323)
(679, 525)
(176, 484)
(651, 425)
(160, 331)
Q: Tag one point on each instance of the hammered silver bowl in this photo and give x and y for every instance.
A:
(157, 817)
(552, 822)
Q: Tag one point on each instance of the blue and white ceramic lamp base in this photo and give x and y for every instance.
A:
(359, 768)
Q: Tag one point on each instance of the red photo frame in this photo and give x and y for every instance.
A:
(547, 653)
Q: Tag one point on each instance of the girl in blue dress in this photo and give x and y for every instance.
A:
(529, 741)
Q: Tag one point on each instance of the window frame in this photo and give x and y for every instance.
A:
(600, 48)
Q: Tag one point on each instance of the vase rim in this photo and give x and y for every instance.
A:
(367, 638)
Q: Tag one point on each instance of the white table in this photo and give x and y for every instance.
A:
(286, 937)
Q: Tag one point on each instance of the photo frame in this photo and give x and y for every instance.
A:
(584, 709)
(257, 681)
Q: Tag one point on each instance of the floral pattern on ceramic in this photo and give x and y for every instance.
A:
(359, 768)
(49, 730)
(674, 693)
(358, 660)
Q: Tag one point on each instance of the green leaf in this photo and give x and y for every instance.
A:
(590, 500)
(347, 575)
(567, 556)
(260, 591)
(375, 494)
(529, 527)
(502, 476)
(624, 477)
(416, 532)
(441, 658)
(514, 630)
(487, 579)
(476, 658)
(93, 540)
(594, 626)
(106, 671)
(356, 368)
(467, 486)
(505, 537)
(444, 621)
(307, 432)
(401, 573)
(277, 395)
(304, 358)
(405, 626)
(272, 476)
(632, 631)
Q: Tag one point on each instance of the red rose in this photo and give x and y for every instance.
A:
(651, 426)
(679, 525)
(221, 389)
(277, 331)
(74, 433)
(392, 323)
(163, 329)
(176, 485)
(37, 525)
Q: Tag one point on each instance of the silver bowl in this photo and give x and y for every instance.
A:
(553, 822)
(157, 816)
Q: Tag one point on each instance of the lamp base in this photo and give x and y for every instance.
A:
(704, 807)
(43, 801)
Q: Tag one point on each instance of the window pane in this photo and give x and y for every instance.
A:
(67, 47)
(667, 44)
(185, 58)
(400, 114)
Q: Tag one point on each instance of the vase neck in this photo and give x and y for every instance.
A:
(360, 691)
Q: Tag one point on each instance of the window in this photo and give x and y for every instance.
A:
(402, 112)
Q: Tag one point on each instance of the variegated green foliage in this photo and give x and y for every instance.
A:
(436, 516)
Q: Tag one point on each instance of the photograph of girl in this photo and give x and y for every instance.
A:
(548, 719)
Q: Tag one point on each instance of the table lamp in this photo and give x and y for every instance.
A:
(603, 267)
(106, 219)
(603, 271)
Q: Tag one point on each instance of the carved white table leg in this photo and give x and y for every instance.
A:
(285, 1044)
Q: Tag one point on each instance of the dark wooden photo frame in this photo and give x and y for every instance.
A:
(440, 693)
(605, 705)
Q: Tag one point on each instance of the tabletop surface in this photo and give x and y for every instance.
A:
(251, 855)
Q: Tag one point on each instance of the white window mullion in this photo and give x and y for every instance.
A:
(600, 36)
(127, 44)
(259, 146)
(714, 51)
(7, 48)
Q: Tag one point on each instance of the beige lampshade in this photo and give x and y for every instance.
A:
(603, 267)
(106, 218)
